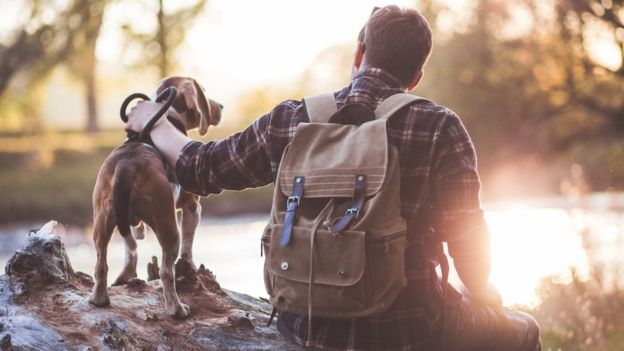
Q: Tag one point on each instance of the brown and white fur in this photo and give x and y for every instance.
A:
(132, 190)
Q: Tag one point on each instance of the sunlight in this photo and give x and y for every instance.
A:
(529, 245)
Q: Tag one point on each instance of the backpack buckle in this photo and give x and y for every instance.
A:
(293, 199)
(353, 211)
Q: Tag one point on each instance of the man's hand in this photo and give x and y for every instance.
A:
(166, 138)
(141, 114)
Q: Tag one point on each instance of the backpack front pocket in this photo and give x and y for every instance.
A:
(341, 280)
(387, 256)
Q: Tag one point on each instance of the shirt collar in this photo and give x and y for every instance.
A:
(371, 86)
(386, 79)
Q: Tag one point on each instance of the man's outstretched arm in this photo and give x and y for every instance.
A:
(461, 221)
(234, 163)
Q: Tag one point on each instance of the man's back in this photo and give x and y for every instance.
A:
(439, 182)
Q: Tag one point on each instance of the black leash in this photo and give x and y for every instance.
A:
(168, 95)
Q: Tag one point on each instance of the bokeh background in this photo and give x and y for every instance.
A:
(538, 84)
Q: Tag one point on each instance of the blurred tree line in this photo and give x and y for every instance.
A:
(538, 83)
(530, 82)
(65, 33)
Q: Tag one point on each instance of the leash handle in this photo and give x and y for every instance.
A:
(168, 95)
(127, 101)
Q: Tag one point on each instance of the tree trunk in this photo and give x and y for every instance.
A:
(162, 41)
(91, 100)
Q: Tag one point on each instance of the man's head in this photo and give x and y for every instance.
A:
(397, 41)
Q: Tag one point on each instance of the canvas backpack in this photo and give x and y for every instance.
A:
(336, 240)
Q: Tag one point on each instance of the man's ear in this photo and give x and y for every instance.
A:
(359, 55)
(415, 81)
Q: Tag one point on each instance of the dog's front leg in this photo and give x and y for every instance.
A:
(191, 214)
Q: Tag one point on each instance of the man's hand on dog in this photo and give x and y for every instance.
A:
(140, 115)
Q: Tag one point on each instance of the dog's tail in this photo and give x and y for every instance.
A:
(121, 200)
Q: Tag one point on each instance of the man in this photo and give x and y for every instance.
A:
(439, 192)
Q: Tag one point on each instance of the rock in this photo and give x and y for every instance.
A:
(153, 269)
(148, 317)
(5, 342)
(43, 306)
(240, 320)
(43, 261)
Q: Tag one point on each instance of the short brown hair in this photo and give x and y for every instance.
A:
(398, 41)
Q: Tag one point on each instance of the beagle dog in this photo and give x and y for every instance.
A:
(134, 189)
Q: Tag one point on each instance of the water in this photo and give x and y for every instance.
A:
(528, 244)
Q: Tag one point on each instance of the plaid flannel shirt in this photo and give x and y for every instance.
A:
(439, 195)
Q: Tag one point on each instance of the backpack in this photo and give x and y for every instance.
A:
(335, 241)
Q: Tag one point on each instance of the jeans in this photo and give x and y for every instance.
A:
(474, 327)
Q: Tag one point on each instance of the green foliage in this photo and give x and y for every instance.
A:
(532, 88)
(582, 315)
(330, 71)
(51, 176)
(62, 191)
(41, 44)
(169, 33)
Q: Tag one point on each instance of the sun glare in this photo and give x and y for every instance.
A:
(529, 245)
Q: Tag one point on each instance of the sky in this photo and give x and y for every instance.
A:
(237, 45)
(234, 46)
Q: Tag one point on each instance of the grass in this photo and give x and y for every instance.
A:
(51, 176)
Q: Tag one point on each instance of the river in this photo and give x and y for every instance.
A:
(530, 241)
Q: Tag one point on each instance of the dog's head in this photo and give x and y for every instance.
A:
(194, 109)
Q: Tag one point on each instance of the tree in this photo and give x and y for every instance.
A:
(91, 14)
(590, 84)
(159, 45)
(70, 37)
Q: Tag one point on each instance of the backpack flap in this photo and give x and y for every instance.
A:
(329, 156)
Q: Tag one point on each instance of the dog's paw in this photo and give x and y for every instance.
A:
(185, 267)
(181, 312)
(99, 300)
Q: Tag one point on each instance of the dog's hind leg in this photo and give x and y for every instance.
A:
(130, 262)
(191, 213)
(102, 231)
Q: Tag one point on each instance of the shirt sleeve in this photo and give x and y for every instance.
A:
(460, 219)
(237, 162)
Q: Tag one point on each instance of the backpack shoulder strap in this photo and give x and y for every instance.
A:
(320, 107)
(394, 103)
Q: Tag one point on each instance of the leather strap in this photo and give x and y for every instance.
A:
(291, 210)
(444, 267)
(326, 211)
(394, 103)
(273, 313)
(320, 107)
(359, 195)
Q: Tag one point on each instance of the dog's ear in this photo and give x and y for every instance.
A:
(209, 111)
(188, 91)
